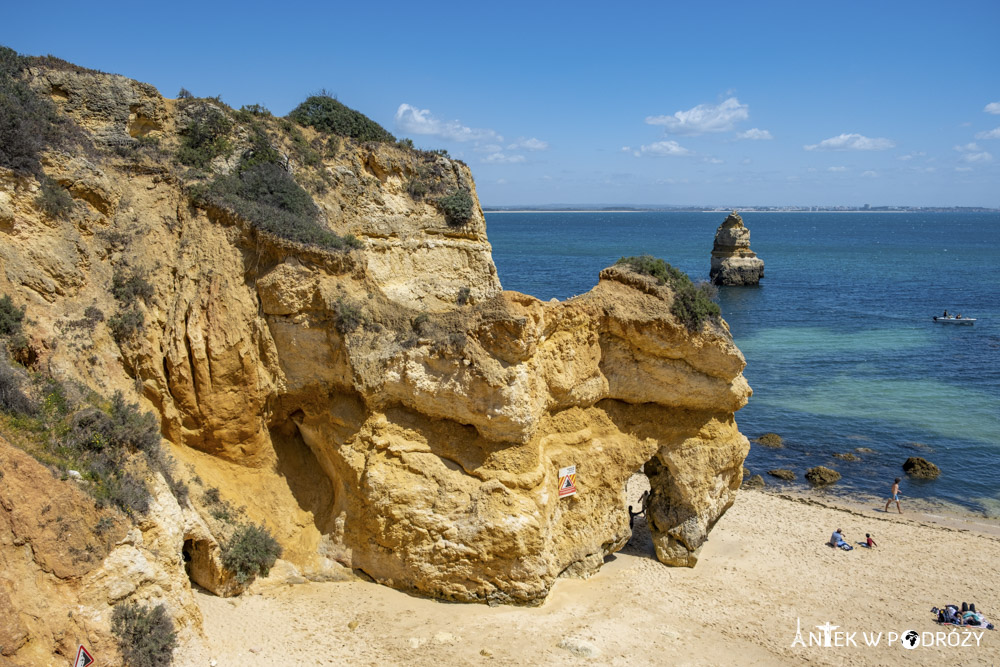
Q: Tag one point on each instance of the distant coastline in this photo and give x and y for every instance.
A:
(748, 209)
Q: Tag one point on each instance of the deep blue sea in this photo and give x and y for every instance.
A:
(841, 349)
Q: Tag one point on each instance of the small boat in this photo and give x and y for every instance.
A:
(955, 320)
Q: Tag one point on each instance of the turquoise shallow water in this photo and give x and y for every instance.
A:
(841, 349)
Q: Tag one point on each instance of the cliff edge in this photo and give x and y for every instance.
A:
(315, 320)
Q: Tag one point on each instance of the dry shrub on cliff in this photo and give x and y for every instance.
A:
(692, 304)
(251, 550)
(53, 199)
(145, 635)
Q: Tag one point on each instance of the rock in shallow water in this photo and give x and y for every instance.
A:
(919, 467)
(822, 476)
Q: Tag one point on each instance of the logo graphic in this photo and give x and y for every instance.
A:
(911, 639)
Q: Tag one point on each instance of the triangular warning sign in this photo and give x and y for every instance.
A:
(567, 482)
(83, 658)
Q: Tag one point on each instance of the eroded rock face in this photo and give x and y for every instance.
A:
(386, 409)
(733, 263)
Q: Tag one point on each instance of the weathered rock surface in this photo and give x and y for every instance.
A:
(733, 263)
(782, 473)
(822, 476)
(920, 467)
(419, 444)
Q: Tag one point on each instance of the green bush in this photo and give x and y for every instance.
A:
(145, 635)
(205, 138)
(464, 293)
(328, 115)
(53, 199)
(252, 550)
(125, 324)
(692, 304)
(104, 442)
(13, 400)
(11, 316)
(457, 207)
(129, 285)
(268, 197)
(29, 122)
(348, 317)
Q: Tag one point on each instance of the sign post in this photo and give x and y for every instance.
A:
(567, 481)
(83, 657)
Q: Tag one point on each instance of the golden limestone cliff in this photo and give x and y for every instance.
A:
(380, 406)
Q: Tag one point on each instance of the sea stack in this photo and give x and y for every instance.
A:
(733, 263)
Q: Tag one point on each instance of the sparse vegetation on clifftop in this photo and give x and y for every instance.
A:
(692, 303)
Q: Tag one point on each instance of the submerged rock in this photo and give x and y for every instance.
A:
(782, 473)
(919, 467)
(822, 476)
(733, 263)
(770, 440)
(846, 456)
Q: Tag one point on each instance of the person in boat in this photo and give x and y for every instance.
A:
(945, 314)
(959, 316)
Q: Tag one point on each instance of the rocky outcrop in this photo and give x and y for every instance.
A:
(782, 473)
(733, 263)
(916, 466)
(387, 409)
(822, 476)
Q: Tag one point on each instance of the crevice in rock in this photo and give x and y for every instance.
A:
(312, 488)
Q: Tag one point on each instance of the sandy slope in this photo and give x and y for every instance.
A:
(765, 566)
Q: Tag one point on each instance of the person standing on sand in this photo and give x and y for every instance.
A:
(895, 496)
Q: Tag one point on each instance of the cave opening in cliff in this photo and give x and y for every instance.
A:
(307, 480)
(198, 561)
(637, 489)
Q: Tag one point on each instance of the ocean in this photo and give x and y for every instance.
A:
(842, 352)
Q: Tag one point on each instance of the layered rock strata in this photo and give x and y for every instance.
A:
(733, 263)
(386, 410)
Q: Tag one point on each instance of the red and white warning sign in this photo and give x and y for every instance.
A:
(83, 658)
(567, 481)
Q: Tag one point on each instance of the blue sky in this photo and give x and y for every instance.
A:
(768, 103)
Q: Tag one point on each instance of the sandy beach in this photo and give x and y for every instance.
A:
(765, 571)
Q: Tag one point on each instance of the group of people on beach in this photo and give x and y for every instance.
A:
(837, 539)
(967, 615)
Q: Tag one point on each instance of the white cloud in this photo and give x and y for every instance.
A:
(713, 160)
(963, 169)
(977, 157)
(852, 142)
(993, 107)
(971, 153)
(420, 121)
(992, 134)
(531, 144)
(755, 134)
(703, 118)
(502, 158)
(869, 174)
(664, 148)
(837, 169)
(910, 156)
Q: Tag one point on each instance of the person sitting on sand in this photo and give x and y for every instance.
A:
(869, 542)
(838, 540)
